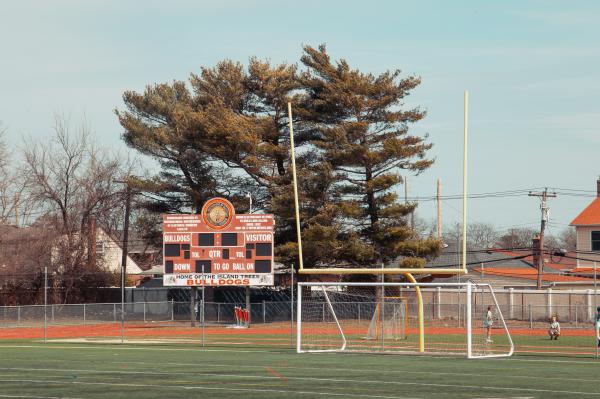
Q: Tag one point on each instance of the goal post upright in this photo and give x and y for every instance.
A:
(295, 184)
(412, 279)
(460, 269)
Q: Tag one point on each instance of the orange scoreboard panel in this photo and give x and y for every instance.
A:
(218, 247)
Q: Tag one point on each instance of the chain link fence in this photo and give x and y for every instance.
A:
(527, 313)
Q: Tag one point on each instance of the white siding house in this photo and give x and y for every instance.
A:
(111, 252)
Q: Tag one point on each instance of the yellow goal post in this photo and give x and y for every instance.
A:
(388, 270)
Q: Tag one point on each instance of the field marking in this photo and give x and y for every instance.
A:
(101, 346)
(396, 371)
(35, 397)
(199, 387)
(275, 373)
(290, 351)
(312, 379)
(149, 348)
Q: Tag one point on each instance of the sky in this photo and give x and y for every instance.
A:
(531, 69)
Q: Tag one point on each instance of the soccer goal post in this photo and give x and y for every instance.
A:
(458, 318)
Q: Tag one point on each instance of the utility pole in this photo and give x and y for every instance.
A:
(439, 208)
(124, 256)
(125, 250)
(543, 195)
(412, 213)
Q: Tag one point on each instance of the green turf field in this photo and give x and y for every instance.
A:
(145, 371)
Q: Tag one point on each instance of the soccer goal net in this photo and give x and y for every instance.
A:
(444, 318)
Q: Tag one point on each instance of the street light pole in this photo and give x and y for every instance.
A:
(45, 303)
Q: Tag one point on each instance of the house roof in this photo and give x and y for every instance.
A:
(590, 215)
(136, 244)
(510, 267)
(530, 274)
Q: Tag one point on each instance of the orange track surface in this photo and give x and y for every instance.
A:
(114, 330)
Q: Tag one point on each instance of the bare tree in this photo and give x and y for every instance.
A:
(74, 183)
(518, 238)
(14, 207)
(568, 239)
(479, 235)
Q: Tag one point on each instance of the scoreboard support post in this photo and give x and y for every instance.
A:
(248, 305)
(193, 306)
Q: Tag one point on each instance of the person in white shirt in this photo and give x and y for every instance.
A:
(487, 323)
(597, 325)
(554, 330)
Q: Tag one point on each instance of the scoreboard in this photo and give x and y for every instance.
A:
(218, 247)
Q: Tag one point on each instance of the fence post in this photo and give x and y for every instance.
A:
(172, 310)
(218, 312)
(115, 312)
(144, 309)
(576, 321)
(439, 302)
(359, 312)
(570, 307)
(459, 307)
(530, 318)
(264, 312)
(549, 294)
(84, 314)
(18, 314)
(589, 305)
(511, 313)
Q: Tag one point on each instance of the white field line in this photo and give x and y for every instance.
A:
(591, 362)
(311, 379)
(199, 387)
(34, 397)
(143, 348)
(396, 371)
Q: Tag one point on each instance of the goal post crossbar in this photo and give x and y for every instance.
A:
(380, 284)
(390, 270)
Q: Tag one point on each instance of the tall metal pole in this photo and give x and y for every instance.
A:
(124, 258)
(45, 303)
(464, 202)
(382, 308)
(292, 306)
(294, 179)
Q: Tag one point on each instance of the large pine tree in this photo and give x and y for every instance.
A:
(225, 133)
(365, 137)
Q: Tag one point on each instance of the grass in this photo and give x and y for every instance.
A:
(31, 369)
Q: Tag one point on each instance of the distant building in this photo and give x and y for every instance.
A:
(587, 226)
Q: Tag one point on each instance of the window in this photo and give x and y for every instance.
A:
(99, 247)
(596, 241)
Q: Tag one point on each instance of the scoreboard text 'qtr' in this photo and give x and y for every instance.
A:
(218, 247)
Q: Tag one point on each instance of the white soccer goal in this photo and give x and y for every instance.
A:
(384, 317)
